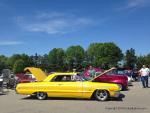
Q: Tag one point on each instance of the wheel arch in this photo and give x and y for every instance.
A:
(92, 96)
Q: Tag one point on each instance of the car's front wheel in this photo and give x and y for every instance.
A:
(41, 95)
(101, 95)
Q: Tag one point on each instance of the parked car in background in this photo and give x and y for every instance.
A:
(126, 72)
(69, 85)
(136, 75)
(8, 79)
(31, 75)
(1, 83)
(112, 77)
(24, 78)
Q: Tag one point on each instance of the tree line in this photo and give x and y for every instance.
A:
(103, 55)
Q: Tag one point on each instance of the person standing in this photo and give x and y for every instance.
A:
(144, 72)
(91, 72)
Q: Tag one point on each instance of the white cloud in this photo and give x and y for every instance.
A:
(135, 4)
(9, 43)
(41, 15)
(53, 22)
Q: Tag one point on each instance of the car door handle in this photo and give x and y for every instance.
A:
(60, 84)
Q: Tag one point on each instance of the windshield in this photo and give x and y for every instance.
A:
(85, 78)
(117, 72)
(81, 77)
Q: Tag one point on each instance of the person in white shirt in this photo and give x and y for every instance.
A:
(144, 72)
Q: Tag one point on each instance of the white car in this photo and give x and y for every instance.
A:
(130, 79)
(1, 79)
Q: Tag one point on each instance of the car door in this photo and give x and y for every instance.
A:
(59, 87)
(70, 89)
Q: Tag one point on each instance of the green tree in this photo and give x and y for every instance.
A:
(11, 60)
(74, 57)
(3, 63)
(56, 59)
(25, 58)
(18, 66)
(147, 60)
(130, 58)
(44, 63)
(141, 60)
(104, 55)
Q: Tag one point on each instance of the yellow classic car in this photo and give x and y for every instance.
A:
(69, 85)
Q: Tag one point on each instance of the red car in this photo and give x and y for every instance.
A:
(36, 75)
(24, 78)
(112, 77)
(118, 79)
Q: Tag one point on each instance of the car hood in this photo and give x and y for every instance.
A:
(37, 72)
(102, 73)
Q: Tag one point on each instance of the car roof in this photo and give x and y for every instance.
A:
(51, 76)
(63, 73)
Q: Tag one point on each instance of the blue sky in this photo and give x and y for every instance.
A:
(37, 26)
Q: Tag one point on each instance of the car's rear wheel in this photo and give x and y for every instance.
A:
(101, 95)
(41, 95)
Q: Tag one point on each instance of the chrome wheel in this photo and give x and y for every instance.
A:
(101, 95)
(41, 95)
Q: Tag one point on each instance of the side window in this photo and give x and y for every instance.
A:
(111, 73)
(121, 72)
(67, 78)
(57, 78)
(62, 78)
(76, 78)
